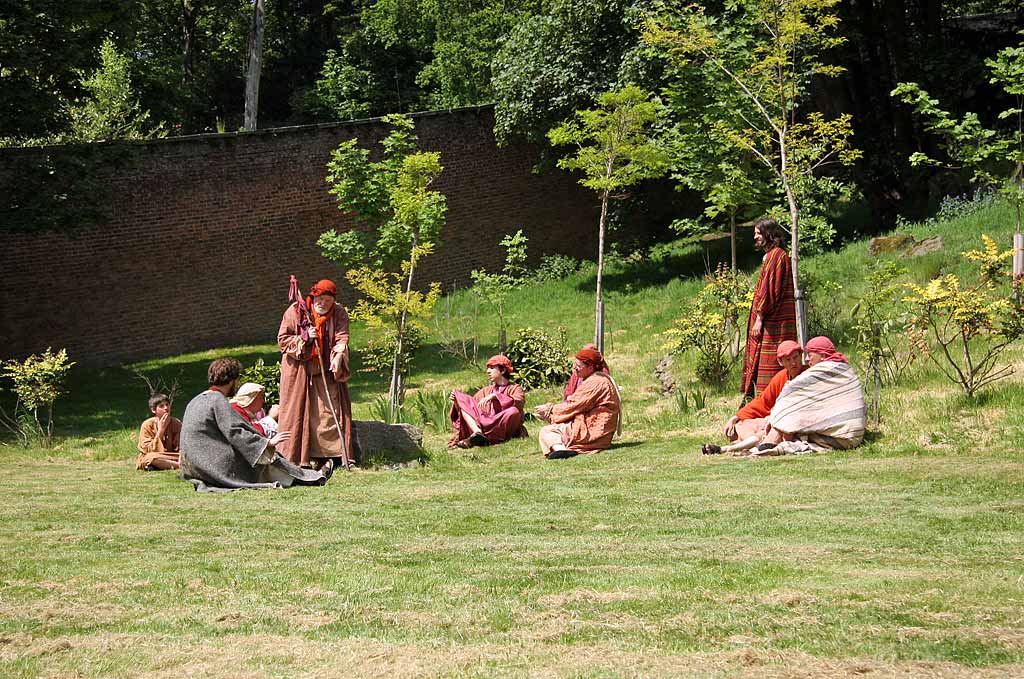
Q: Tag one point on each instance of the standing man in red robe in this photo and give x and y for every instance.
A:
(773, 312)
(314, 377)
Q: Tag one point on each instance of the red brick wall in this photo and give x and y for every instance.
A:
(204, 231)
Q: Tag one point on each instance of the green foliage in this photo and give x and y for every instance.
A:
(992, 154)
(495, 289)
(560, 59)
(267, 375)
(691, 401)
(112, 109)
(880, 324)
(433, 408)
(708, 323)
(967, 328)
(540, 360)
(614, 146)
(556, 267)
(379, 354)
(762, 55)
(382, 411)
(38, 382)
(823, 305)
(392, 199)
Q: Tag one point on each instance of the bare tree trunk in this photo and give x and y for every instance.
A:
(188, 40)
(599, 302)
(732, 238)
(798, 295)
(252, 76)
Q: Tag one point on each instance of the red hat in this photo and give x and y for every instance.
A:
(324, 287)
(501, 360)
(786, 347)
(825, 347)
(591, 356)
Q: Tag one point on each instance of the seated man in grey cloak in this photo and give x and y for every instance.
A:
(220, 451)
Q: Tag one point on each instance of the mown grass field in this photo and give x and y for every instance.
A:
(900, 558)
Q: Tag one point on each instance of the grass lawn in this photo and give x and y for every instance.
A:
(900, 558)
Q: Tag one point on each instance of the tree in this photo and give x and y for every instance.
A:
(995, 156)
(38, 382)
(112, 110)
(255, 59)
(768, 51)
(391, 199)
(496, 288)
(614, 150)
(557, 61)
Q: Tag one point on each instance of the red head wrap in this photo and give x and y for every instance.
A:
(502, 361)
(787, 347)
(823, 347)
(593, 357)
(324, 287)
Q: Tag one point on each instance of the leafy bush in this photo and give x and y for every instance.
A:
(966, 328)
(267, 375)
(708, 325)
(381, 411)
(556, 267)
(380, 351)
(38, 382)
(540, 360)
(433, 408)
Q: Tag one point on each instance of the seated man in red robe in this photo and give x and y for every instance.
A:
(492, 415)
(748, 427)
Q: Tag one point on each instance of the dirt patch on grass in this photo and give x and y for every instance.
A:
(592, 596)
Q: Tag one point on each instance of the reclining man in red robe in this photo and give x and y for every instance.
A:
(492, 415)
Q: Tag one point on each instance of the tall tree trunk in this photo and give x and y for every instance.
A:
(188, 41)
(599, 301)
(798, 295)
(252, 76)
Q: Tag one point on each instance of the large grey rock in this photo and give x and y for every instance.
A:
(378, 440)
(923, 247)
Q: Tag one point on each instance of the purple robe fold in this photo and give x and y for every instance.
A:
(500, 419)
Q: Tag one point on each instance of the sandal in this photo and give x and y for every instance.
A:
(710, 449)
(478, 439)
(464, 443)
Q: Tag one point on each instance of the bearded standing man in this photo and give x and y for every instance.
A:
(314, 376)
(772, 313)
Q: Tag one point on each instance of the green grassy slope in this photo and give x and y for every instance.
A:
(899, 558)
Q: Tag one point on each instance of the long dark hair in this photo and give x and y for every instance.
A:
(774, 236)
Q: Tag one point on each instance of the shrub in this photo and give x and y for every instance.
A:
(822, 305)
(380, 350)
(540, 360)
(966, 328)
(556, 267)
(38, 382)
(433, 408)
(267, 375)
(708, 325)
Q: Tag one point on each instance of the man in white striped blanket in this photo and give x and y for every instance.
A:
(822, 409)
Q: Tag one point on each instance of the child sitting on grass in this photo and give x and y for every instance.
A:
(158, 437)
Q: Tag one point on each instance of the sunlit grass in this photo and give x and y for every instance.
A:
(901, 557)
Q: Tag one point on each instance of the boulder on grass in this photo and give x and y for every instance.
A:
(894, 243)
(387, 442)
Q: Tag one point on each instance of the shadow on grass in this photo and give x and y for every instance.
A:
(694, 261)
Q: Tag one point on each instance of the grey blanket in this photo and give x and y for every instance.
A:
(219, 451)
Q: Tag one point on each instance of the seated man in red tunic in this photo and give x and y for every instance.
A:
(492, 415)
(748, 427)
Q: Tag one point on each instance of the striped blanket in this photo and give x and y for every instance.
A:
(823, 407)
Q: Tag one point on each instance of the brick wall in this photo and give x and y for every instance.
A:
(203, 232)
